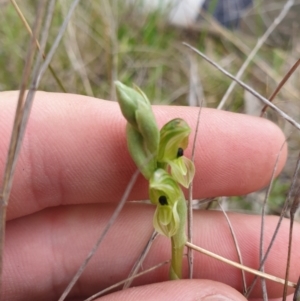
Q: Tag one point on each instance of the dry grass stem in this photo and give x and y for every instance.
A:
(249, 89)
(102, 236)
(126, 280)
(140, 260)
(240, 266)
(236, 246)
(258, 45)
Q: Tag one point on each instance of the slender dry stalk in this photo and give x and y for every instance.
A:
(281, 84)
(236, 246)
(27, 26)
(190, 201)
(140, 260)
(102, 236)
(73, 51)
(294, 207)
(126, 280)
(260, 42)
(262, 227)
(17, 133)
(249, 89)
(282, 214)
(240, 266)
(296, 296)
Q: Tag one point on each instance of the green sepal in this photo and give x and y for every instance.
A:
(173, 135)
(147, 126)
(166, 220)
(128, 100)
(162, 184)
(182, 170)
(143, 159)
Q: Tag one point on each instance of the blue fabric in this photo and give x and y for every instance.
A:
(227, 12)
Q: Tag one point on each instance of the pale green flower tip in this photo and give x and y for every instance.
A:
(173, 136)
(127, 99)
(139, 90)
(183, 171)
(166, 220)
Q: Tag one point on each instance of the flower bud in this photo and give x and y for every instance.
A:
(142, 130)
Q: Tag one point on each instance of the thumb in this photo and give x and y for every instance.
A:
(195, 289)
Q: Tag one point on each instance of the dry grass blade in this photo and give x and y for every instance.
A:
(294, 207)
(296, 296)
(128, 279)
(236, 246)
(50, 13)
(283, 212)
(190, 200)
(284, 80)
(240, 266)
(230, 36)
(73, 52)
(102, 236)
(261, 244)
(258, 45)
(18, 129)
(140, 260)
(111, 26)
(249, 89)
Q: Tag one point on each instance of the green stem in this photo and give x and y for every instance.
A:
(178, 241)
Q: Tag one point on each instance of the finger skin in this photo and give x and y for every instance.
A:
(187, 290)
(74, 152)
(43, 251)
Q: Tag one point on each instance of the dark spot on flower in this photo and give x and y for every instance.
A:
(163, 200)
(179, 152)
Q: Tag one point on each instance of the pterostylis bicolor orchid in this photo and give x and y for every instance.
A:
(159, 155)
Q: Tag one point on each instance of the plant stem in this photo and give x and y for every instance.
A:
(178, 242)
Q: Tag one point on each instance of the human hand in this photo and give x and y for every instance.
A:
(73, 169)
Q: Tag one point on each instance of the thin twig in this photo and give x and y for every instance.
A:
(263, 212)
(23, 19)
(294, 207)
(140, 260)
(296, 296)
(16, 132)
(75, 56)
(236, 246)
(190, 201)
(282, 214)
(102, 236)
(249, 89)
(128, 279)
(258, 45)
(240, 266)
(283, 81)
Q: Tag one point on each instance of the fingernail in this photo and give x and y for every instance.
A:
(216, 298)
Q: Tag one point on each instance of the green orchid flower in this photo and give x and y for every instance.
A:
(155, 152)
(165, 192)
(174, 139)
(142, 130)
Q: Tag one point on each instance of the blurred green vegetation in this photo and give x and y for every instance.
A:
(108, 40)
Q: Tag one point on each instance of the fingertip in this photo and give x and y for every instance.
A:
(178, 290)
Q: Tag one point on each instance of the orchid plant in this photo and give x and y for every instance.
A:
(159, 155)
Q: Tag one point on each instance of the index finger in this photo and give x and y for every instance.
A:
(75, 152)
